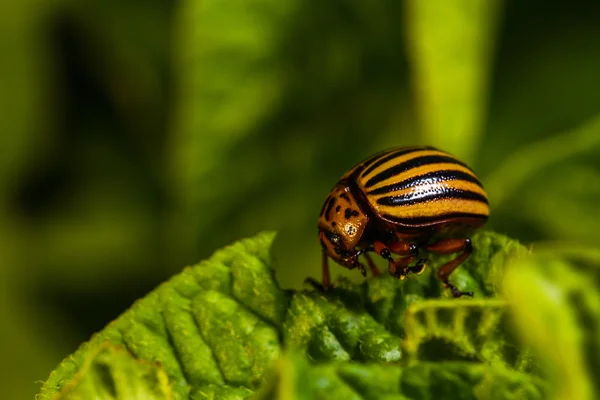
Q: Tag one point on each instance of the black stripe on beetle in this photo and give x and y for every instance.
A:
(415, 198)
(427, 179)
(410, 164)
(391, 156)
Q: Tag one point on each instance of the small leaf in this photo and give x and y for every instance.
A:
(556, 306)
(113, 373)
(530, 160)
(544, 197)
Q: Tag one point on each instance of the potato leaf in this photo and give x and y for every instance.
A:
(556, 306)
(218, 328)
(112, 373)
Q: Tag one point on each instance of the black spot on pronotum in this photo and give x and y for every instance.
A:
(348, 213)
(337, 208)
(355, 213)
(345, 197)
(333, 224)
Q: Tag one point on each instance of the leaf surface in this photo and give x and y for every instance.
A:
(112, 373)
(556, 307)
(219, 328)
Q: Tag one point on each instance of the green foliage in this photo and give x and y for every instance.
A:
(214, 324)
(297, 379)
(139, 136)
(556, 306)
(450, 43)
(224, 329)
(523, 178)
(113, 373)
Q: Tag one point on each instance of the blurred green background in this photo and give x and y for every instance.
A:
(137, 137)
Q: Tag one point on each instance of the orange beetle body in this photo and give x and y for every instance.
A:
(401, 201)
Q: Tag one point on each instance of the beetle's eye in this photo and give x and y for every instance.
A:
(333, 238)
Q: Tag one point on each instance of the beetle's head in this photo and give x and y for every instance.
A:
(341, 226)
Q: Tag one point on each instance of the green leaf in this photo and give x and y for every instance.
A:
(543, 197)
(528, 161)
(297, 379)
(217, 328)
(212, 328)
(458, 380)
(556, 307)
(112, 373)
(450, 46)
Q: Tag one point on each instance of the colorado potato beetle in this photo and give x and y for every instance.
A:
(402, 201)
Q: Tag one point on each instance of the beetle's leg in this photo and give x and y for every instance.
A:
(410, 249)
(361, 268)
(401, 267)
(398, 268)
(384, 252)
(450, 246)
(372, 266)
(404, 248)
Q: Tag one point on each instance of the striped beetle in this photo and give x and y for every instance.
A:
(401, 201)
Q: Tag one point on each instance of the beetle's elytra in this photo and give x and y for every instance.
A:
(403, 201)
